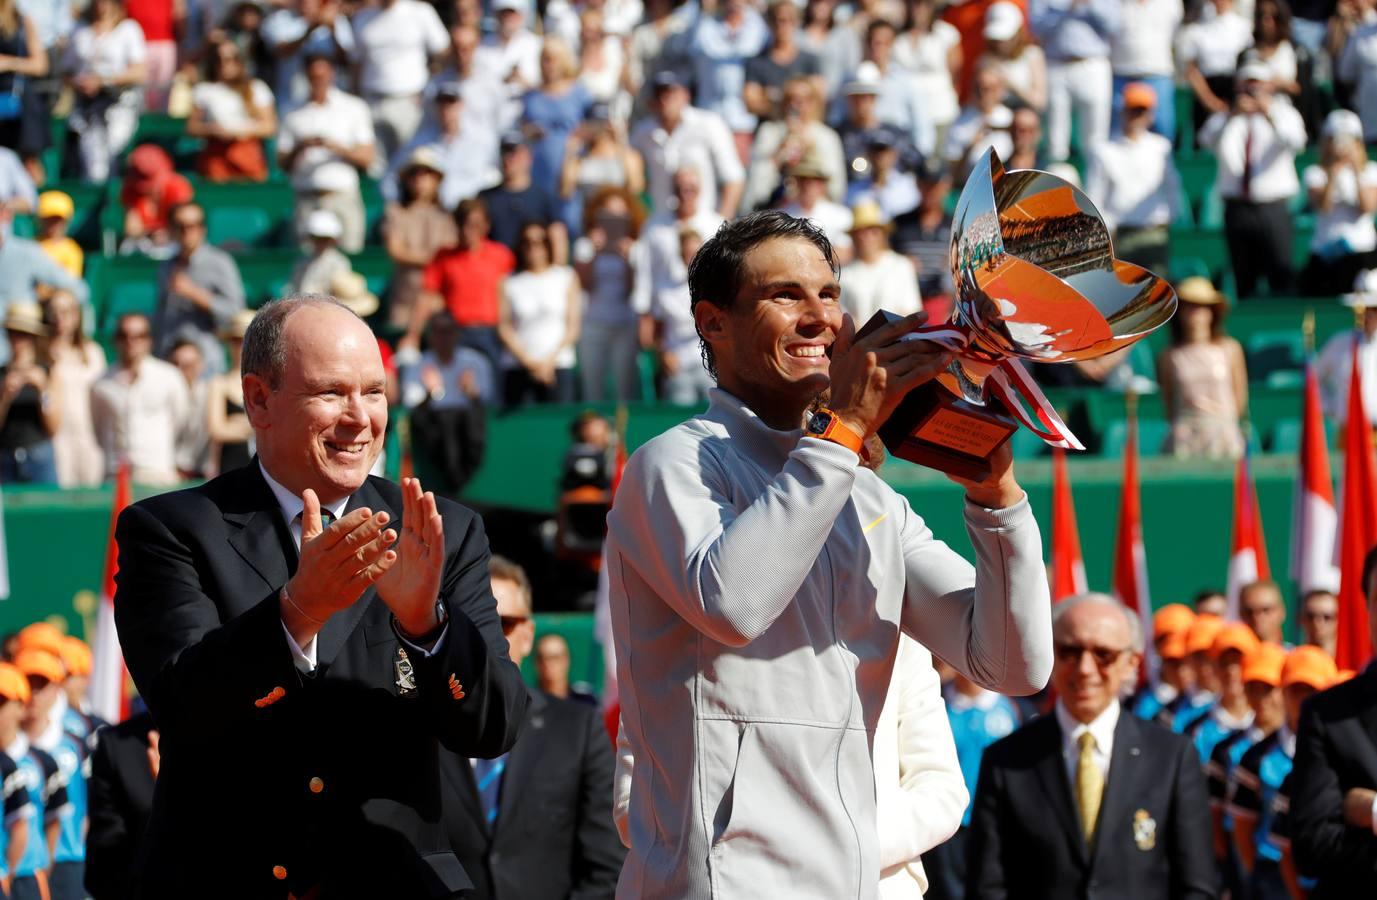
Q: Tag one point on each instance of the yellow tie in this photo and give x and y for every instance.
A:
(1089, 785)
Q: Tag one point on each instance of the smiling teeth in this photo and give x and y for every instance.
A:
(812, 350)
(349, 448)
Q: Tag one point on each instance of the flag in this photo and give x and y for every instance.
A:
(1357, 526)
(1248, 551)
(109, 698)
(1068, 566)
(1130, 557)
(1314, 520)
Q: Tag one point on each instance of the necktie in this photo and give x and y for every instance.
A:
(1089, 785)
(488, 774)
(1246, 186)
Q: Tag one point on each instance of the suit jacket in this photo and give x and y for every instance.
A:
(275, 781)
(1153, 836)
(121, 799)
(1336, 749)
(553, 837)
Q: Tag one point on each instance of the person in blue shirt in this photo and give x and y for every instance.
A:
(1169, 627)
(1231, 713)
(1259, 774)
(14, 792)
(41, 775)
(978, 718)
(77, 719)
(1181, 713)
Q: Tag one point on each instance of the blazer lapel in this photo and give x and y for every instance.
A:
(261, 537)
(1124, 766)
(523, 755)
(1056, 786)
(341, 625)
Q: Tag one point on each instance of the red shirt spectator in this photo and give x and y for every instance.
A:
(468, 277)
(151, 189)
(155, 17)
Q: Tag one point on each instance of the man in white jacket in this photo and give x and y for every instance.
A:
(760, 576)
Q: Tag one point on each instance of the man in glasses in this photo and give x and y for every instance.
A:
(1319, 620)
(1091, 801)
(535, 822)
(199, 290)
(139, 406)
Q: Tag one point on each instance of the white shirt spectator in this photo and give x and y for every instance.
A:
(889, 283)
(926, 57)
(1358, 67)
(900, 104)
(701, 141)
(1345, 222)
(1276, 139)
(1281, 65)
(1333, 371)
(521, 54)
(657, 259)
(1214, 44)
(965, 141)
(619, 19)
(224, 106)
(833, 218)
(139, 418)
(719, 54)
(15, 184)
(538, 303)
(393, 45)
(106, 55)
(285, 26)
(342, 119)
(1134, 183)
(1143, 45)
(1101, 728)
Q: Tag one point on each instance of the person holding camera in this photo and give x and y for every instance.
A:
(1256, 141)
(106, 69)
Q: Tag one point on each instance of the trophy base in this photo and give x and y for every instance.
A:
(934, 428)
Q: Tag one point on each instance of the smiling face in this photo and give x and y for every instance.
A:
(771, 342)
(1093, 657)
(322, 426)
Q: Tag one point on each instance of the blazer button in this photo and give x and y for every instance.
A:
(317, 785)
(280, 873)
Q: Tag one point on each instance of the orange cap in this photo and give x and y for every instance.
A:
(41, 636)
(1343, 675)
(1233, 636)
(1200, 636)
(1138, 95)
(1170, 618)
(40, 663)
(13, 684)
(76, 656)
(1264, 663)
(1308, 665)
(1173, 646)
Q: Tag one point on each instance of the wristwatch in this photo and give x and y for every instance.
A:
(825, 425)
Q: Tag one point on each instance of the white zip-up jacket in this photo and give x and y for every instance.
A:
(758, 582)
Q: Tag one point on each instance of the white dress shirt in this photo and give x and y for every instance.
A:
(1276, 139)
(292, 507)
(1143, 44)
(1101, 728)
(1214, 44)
(889, 283)
(1134, 183)
(1333, 370)
(138, 415)
(394, 46)
(701, 141)
(342, 119)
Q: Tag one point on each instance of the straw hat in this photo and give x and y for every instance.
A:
(868, 214)
(809, 166)
(351, 290)
(1200, 291)
(26, 318)
(237, 326)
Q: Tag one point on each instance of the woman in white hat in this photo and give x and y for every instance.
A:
(1018, 59)
(1204, 377)
(1342, 188)
(29, 410)
(313, 274)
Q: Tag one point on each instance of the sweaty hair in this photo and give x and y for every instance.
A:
(265, 351)
(716, 273)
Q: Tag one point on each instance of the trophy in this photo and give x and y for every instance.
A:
(1036, 279)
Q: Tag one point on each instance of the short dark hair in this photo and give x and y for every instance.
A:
(715, 274)
(265, 352)
(1206, 594)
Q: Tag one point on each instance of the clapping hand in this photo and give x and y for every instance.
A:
(337, 563)
(412, 585)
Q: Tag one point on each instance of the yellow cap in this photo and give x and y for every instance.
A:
(55, 205)
(41, 636)
(13, 684)
(40, 664)
(1170, 618)
(1264, 664)
(76, 656)
(1200, 636)
(1308, 665)
(1233, 636)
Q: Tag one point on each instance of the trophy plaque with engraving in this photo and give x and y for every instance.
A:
(1036, 279)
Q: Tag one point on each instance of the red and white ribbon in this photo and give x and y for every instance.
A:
(1012, 386)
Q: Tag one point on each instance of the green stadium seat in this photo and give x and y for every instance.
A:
(1027, 445)
(1286, 435)
(1182, 267)
(23, 227)
(128, 297)
(1151, 434)
(239, 227)
(1271, 352)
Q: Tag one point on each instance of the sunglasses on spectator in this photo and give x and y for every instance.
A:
(511, 623)
(1104, 656)
(186, 225)
(133, 335)
(1321, 616)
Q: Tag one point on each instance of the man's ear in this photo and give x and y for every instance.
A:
(711, 322)
(256, 394)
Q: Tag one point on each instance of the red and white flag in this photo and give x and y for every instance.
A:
(1248, 552)
(1130, 557)
(108, 694)
(1314, 518)
(1357, 526)
(1068, 566)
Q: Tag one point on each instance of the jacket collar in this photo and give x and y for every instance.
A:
(743, 425)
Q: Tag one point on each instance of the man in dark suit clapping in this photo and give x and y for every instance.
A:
(536, 824)
(1129, 816)
(306, 637)
(1333, 796)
